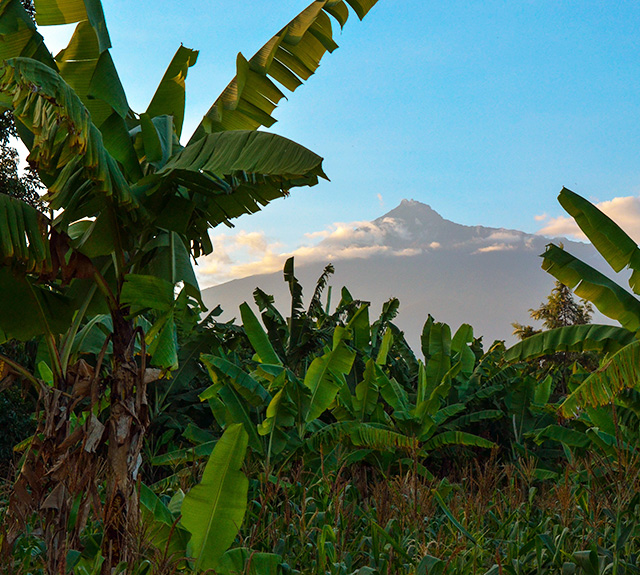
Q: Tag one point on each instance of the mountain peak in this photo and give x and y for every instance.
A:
(413, 211)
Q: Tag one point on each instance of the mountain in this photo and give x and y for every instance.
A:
(487, 277)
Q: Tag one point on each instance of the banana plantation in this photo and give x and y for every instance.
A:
(142, 435)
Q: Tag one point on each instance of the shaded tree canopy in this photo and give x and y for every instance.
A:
(560, 310)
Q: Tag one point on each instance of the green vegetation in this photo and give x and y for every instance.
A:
(313, 442)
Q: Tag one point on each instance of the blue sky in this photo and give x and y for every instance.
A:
(483, 110)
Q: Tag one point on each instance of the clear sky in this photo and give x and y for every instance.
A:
(483, 110)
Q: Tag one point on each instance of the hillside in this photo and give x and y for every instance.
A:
(488, 277)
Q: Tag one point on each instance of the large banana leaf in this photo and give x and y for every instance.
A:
(228, 406)
(436, 347)
(435, 339)
(361, 435)
(94, 78)
(222, 369)
(323, 376)
(159, 523)
(570, 437)
(168, 258)
(295, 321)
(456, 438)
(92, 75)
(18, 35)
(608, 238)
(588, 283)
(169, 98)
(392, 392)
(366, 397)
(229, 174)
(67, 148)
(214, 509)
(142, 292)
(360, 328)
(290, 57)
(572, 338)
(23, 236)
(249, 562)
(258, 337)
(620, 372)
(56, 12)
(28, 310)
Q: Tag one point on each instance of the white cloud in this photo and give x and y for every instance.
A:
(504, 236)
(562, 226)
(254, 241)
(244, 254)
(380, 200)
(625, 211)
(541, 217)
(495, 248)
(232, 251)
(434, 245)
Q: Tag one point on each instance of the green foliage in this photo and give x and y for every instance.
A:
(618, 371)
(362, 458)
(106, 284)
(213, 510)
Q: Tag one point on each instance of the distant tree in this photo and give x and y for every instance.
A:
(26, 186)
(560, 310)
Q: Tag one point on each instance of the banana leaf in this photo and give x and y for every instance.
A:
(289, 58)
(66, 147)
(257, 337)
(231, 174)
(214, 509)
(23, 236)
(169, 99)
(456, 438)
(588, 283)
(323, 376)
(160, 524)
(571, 338)
(607, 237)
(620, 371)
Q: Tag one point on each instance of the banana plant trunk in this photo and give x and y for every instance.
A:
(128, 422)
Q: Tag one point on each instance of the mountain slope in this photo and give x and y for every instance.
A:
(487, 277)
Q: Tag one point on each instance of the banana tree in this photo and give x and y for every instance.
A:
(348, 395)
(621, 366)
(128, 208)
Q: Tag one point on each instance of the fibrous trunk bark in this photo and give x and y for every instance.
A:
(67, 459)
(127, 424)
